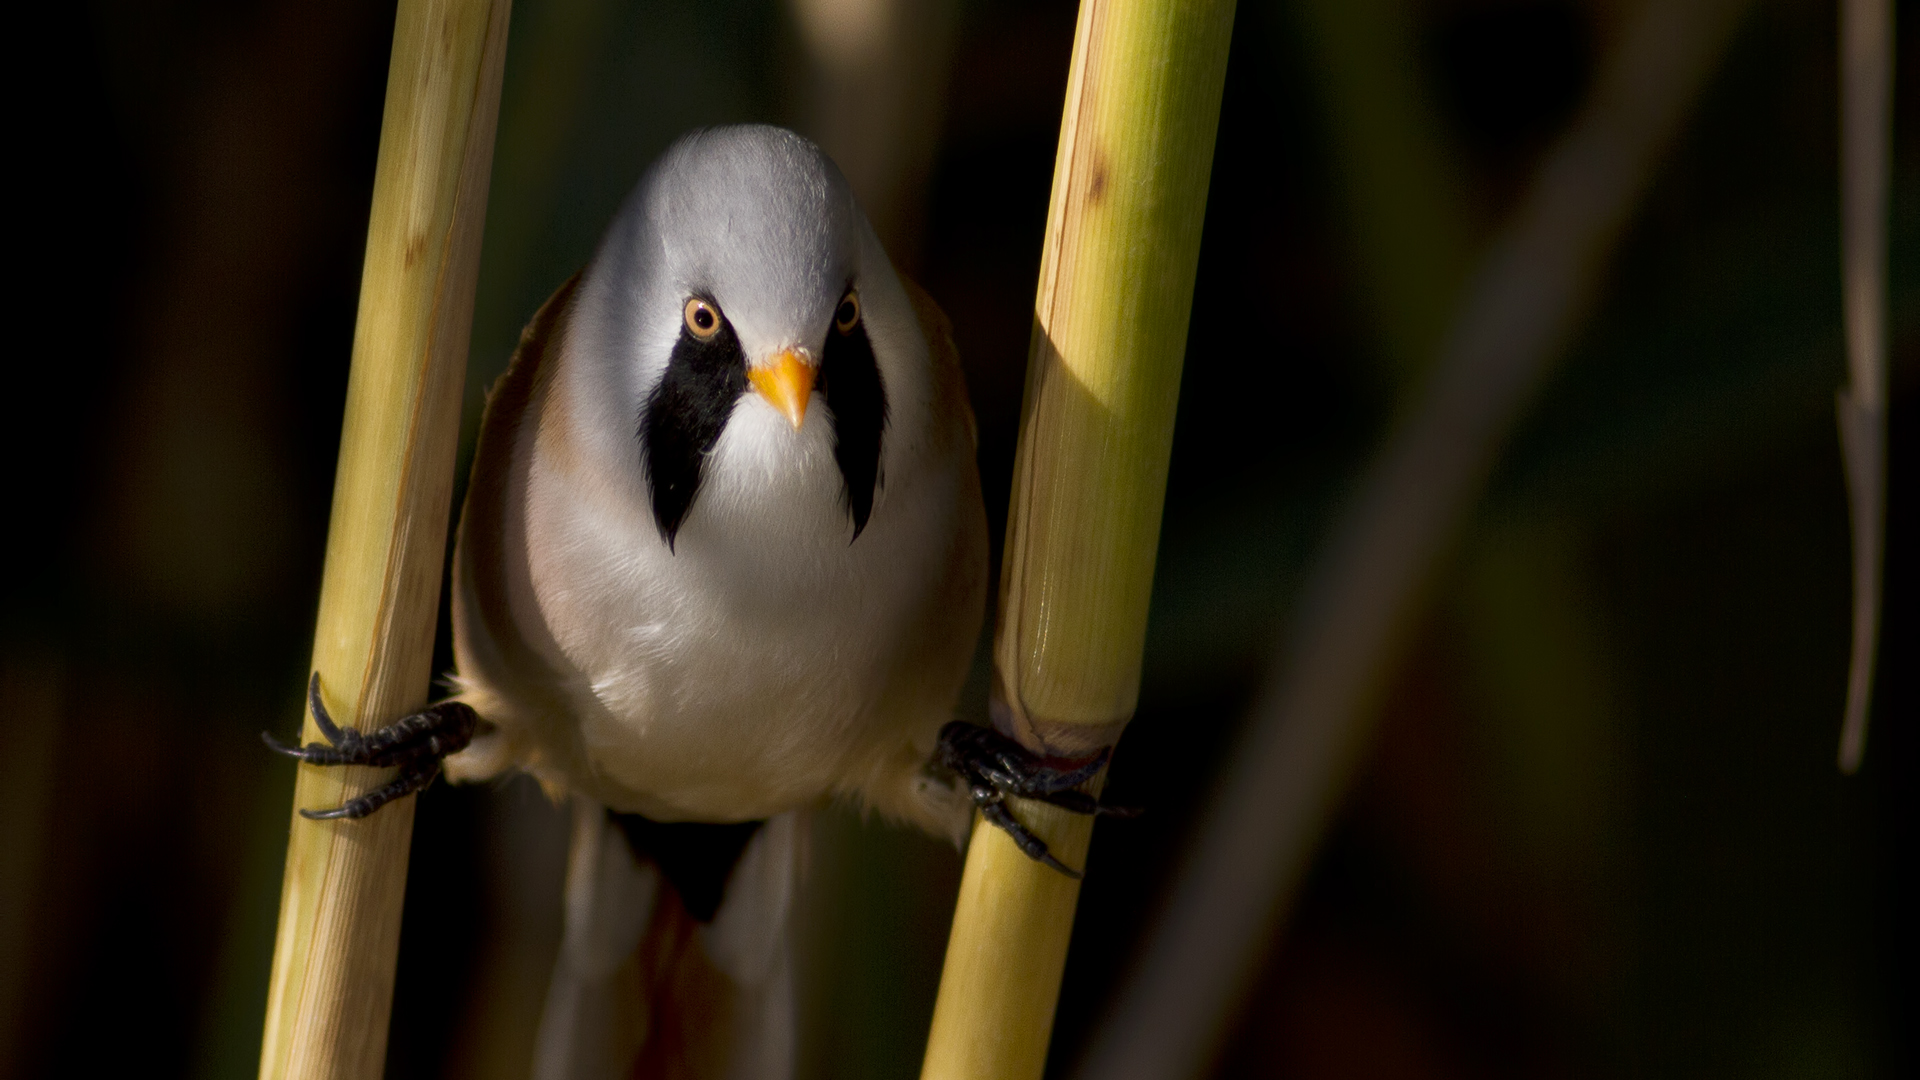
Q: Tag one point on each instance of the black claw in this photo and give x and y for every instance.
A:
(324, 720)
(353, 809)
(416, 744)
(1032, 846)
(995, 767)
(316, 753)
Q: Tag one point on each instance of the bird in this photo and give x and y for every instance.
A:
(723, 556)
(722, 559)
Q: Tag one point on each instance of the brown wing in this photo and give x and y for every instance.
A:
(493, 658)
(950, 381)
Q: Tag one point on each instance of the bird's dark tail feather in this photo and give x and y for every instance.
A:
(643, 987)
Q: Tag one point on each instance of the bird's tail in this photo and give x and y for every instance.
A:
(660, 975)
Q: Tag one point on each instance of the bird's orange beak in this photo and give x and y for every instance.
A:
(786, 383)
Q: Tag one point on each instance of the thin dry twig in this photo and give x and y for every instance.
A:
(1866, 129)
(1309, 724)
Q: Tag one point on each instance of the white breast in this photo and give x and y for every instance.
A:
(749, 669)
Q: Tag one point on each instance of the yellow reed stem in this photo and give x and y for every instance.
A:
(334, 952)
(1103, 379)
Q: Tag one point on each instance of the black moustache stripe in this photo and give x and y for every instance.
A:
(850, 381)
(685, 414)
(683, 418)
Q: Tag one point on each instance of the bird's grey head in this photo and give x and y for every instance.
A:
(747, 255)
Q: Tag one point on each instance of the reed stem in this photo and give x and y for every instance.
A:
(334, 952)
(1103, 379)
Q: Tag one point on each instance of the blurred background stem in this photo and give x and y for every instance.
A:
(1406, 200)
(1866, 177)
(1309, 725)
(875, 79)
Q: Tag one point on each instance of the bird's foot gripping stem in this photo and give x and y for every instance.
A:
(416, 744)
(995, 767)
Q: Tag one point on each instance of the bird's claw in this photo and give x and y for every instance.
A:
(415, 744)
(995, 767)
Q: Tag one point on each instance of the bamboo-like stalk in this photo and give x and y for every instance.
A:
(334, 952)
(1103, 378)
(1866, 130)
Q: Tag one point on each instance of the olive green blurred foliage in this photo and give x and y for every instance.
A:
(1600, 833)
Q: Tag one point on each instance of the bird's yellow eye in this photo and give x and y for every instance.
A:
(703, 319)
(847, 314)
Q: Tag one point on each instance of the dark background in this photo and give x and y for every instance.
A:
(1599, 831)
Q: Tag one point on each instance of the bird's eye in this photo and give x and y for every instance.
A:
(847, 314)
(703, 319)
